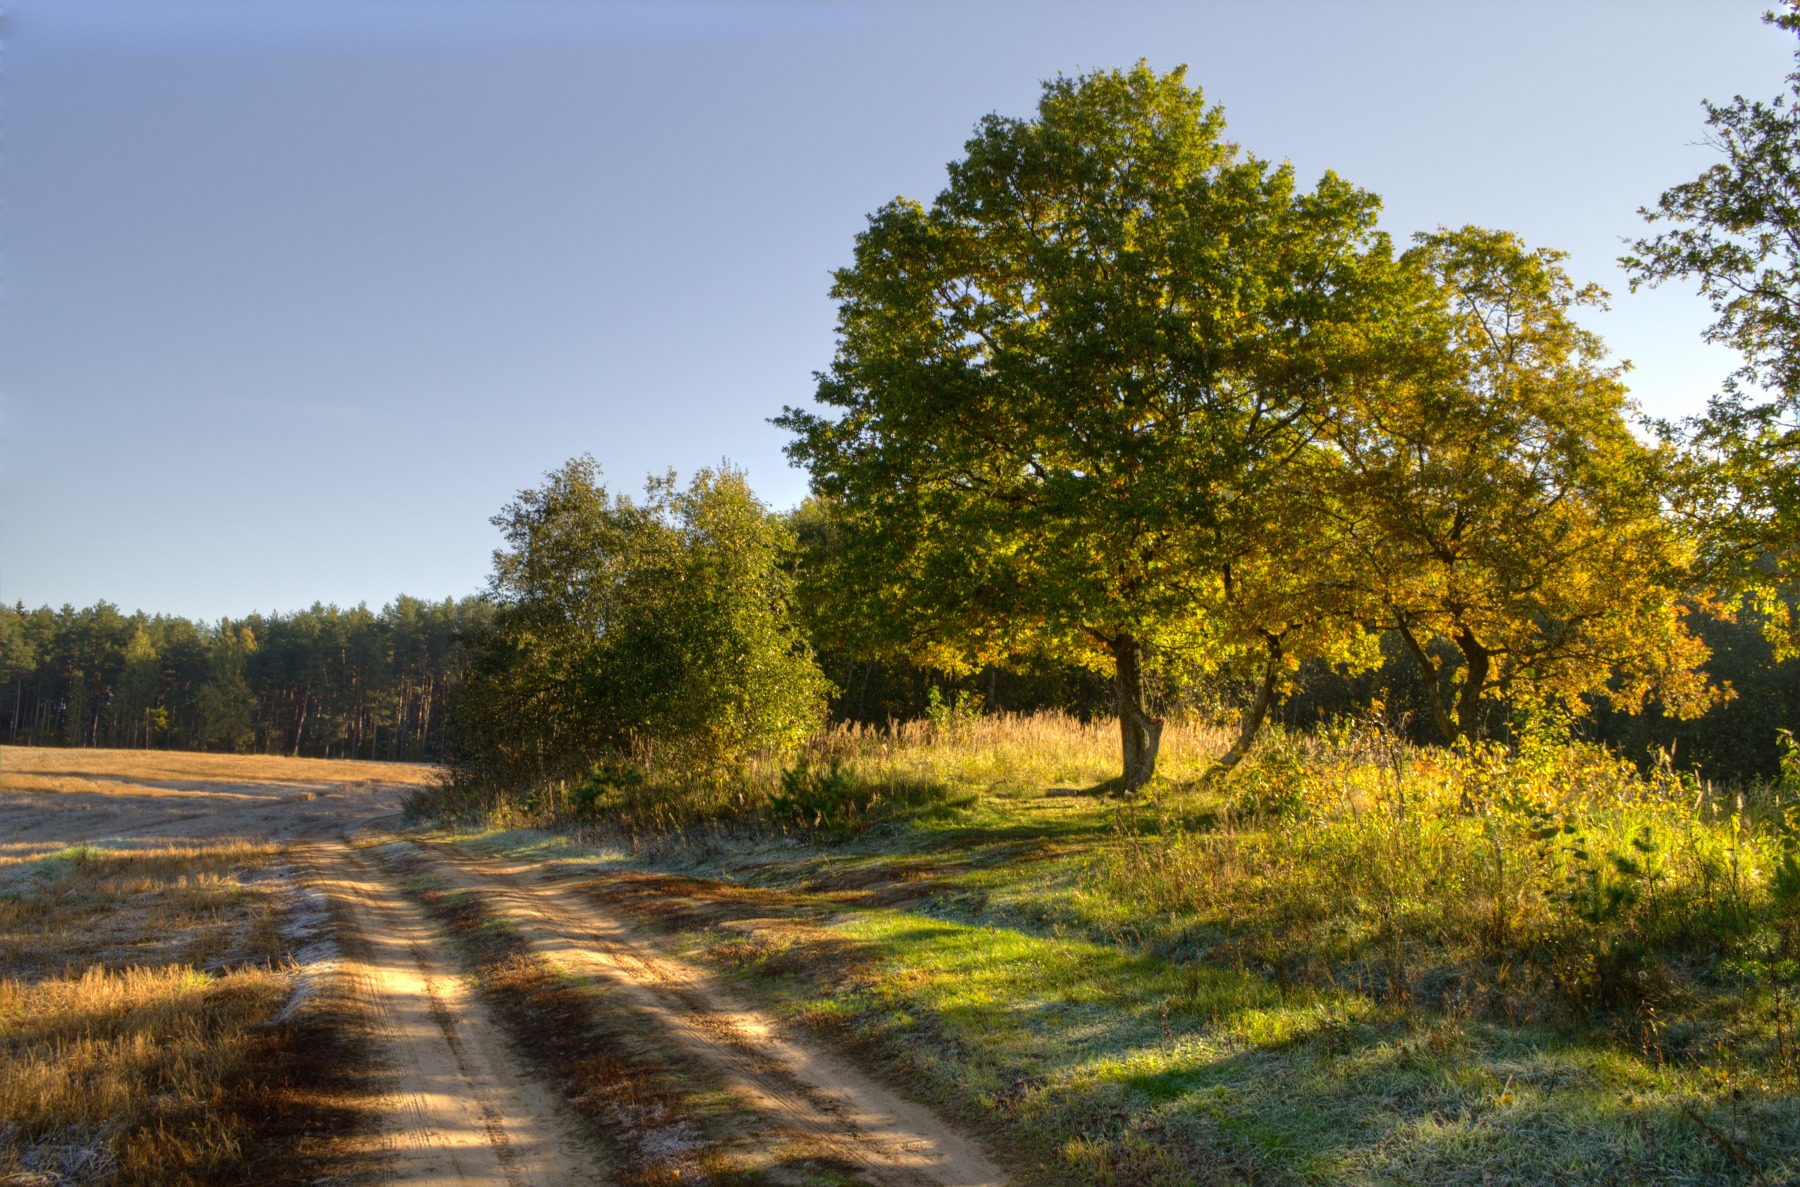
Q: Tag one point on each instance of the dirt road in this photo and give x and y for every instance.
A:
(465, 1105)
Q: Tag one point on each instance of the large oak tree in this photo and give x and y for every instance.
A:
(1064, 393)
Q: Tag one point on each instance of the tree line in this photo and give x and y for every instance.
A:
(323, 682)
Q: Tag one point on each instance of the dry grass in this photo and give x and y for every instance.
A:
(121, 1076)
(1010, 749)
(43, 768)
(851, 775)
(134, 1045)
(83, 908)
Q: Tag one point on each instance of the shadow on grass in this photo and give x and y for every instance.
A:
(1136, 1069)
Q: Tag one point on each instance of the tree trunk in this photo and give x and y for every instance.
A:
(300, 720)
(1468, 700)
(1434, 681)
(1255, 715)
(1477, 666)
(1140, 735)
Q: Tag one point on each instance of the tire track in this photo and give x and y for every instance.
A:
(463, 1113)
(795, 1086)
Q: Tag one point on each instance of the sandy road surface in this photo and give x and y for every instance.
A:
(463, 1108)
(461, 1111)
(845, 1113)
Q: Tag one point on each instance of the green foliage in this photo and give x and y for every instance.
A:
(1547, 879)
(1785, 886)
(1065, 394)
(661, 630)
(828, 800)
(227, 707)
(606, 781)
(1506, 521)
(1731, 231)
(1271, 786)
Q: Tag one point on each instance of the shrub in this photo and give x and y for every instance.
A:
(659, 628)
(1552, 877)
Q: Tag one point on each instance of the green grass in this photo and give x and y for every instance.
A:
(1137, 1069)
(1353, 962)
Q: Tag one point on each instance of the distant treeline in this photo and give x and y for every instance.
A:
(324, 682)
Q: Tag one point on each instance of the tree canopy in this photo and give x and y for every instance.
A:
(1735, 231)
(1496, 502)
(1063, 392)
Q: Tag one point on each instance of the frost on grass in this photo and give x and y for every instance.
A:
(142, 997)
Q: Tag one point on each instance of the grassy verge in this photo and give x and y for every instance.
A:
(1353, 962)
(138, 1032)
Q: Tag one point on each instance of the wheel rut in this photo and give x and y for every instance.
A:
(462, 1111)
(790, 1084)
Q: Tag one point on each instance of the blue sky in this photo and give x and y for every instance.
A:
(297, 292)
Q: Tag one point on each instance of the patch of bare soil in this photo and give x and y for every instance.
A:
(848, 1118)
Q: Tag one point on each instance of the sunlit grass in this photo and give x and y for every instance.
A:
(1353, 960)
(134, 990)
(118, 1076)
(79, 908)
(1114, 1068)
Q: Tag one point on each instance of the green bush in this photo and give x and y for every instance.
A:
(659, 628)
(607, 778)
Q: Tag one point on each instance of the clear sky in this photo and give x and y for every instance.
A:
(295, 293)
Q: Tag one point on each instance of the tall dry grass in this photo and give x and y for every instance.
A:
(134, 991)
(124, 1076)
(1010, 749)
(850, 776)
